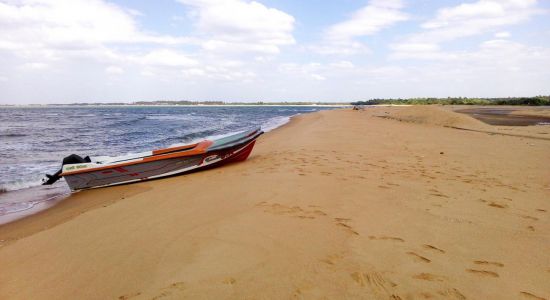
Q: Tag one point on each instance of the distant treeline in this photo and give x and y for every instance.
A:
(537, 101)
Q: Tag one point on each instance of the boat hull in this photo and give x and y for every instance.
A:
(123, 174)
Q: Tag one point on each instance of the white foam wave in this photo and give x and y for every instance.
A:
(20, 184)
(275, 122)
(172, 117)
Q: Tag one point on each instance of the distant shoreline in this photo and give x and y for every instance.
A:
(171, 105)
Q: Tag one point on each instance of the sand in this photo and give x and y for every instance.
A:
(385, 203)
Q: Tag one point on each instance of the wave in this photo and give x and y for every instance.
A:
(20, 184)
(275, 123)
(187, 117)
(127, 122)
(15, 207)
(12, 135)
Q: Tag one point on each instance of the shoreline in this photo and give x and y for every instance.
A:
(41, 194)
(379, 203)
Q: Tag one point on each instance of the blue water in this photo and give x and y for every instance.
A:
(35, 139)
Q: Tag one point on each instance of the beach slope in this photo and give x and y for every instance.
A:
(382, 203)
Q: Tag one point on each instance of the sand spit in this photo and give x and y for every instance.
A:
(384, 203)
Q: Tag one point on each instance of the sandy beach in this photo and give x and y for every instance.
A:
(382, 203)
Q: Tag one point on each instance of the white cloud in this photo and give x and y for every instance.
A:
(502, 34)
(70, 25)
(166, 58)
(147, 73)
(33, 66)
(114, 70)
(372, 18)
(460, 21)
(476, 18)
(340, 38)
(416, 47)
(46, 33)
(343, 64)
(339, 48)
(239, 25)
(318, 77)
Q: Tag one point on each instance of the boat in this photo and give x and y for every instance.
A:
(85, 173)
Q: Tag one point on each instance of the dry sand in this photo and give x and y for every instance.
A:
(385, 203)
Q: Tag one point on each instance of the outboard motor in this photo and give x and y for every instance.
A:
(71, 159)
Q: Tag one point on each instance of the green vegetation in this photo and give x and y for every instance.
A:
(535, 101)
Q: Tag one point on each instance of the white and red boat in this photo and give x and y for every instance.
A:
(84, 173)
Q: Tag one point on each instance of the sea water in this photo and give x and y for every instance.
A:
(34, 140)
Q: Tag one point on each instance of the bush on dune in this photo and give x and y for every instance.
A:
(533, 101)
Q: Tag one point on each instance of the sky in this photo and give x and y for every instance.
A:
(66, 51)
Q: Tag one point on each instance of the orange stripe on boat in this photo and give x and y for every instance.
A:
(180, 148)
(198, 149)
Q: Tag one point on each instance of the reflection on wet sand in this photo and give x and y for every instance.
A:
(505, 116)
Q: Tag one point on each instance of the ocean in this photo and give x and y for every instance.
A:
(34, 140)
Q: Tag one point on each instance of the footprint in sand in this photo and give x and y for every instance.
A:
(530, 218)
(483, 273)
(229, 280)
(169, 290)
(294, 211)
(452, 294)
(347, 227)
(374, 280)
(342, 219)
(390, 238)
(498, 205)
(129, 296)
(531, 296)
(488, 263)
(434, 248)
(419, 258)
(428, 277)
(332, 259)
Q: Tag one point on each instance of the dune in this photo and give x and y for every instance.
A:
(434, 115)
(336, 204)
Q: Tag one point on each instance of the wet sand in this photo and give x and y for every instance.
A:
(25, 202)
(509, 116)
(385, 203)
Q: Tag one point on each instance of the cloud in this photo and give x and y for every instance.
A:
(33, 66)
(240, 26)
(332, 47)
(502, 34)
(114, 70)
(340, 38)
(165, 58)
(343, 64)
(70, 25)
(475, 18)
(372, 18)
(318, 77)
(461, 21)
